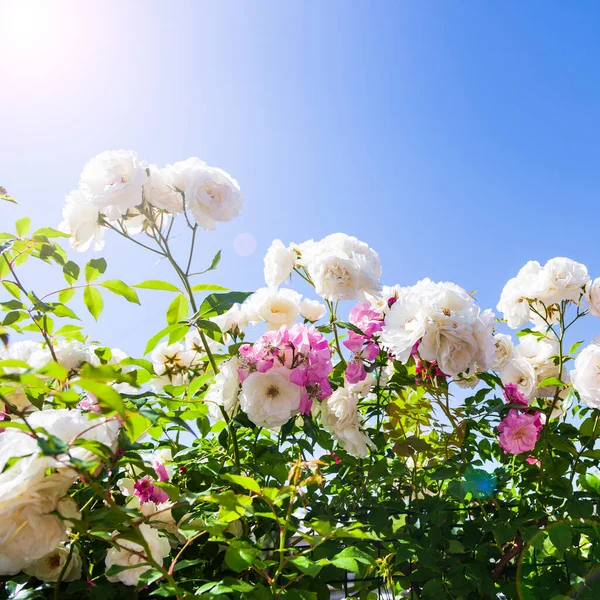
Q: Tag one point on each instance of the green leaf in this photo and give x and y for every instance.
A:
(156, 284)
(240, 556)
(551, 381)
(71, 272)
(60, 310)
(348, 564)
(560, 536)
(178, 310)
(217, 304)
(356, 554)
(574, 347)
(6, 197)
(209, 287)
(120, 288)
(107, 396)
(23, 226)
(93, 301)
(65, 295)
(155, 339)
(12, 289)
(307, 566)
(246, 482)
(94, 269)
(50, 233)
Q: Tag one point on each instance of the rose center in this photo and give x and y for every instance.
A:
(54, 561)
(446, 311)
(272, 392)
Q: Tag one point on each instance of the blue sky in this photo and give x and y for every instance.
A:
(458, 139)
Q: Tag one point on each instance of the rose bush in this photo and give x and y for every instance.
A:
(342, 438)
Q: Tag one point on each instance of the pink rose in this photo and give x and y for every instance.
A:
(519, 431)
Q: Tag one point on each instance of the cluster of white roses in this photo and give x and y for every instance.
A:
(535, 296)
(340, 266)
(118, 187)
(35, 510)
(441, 322)
(529, 363)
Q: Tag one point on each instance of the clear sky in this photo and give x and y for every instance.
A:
(459, 139)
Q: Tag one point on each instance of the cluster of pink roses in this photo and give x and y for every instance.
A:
(520, 429)
(300, 349)
(363, 347)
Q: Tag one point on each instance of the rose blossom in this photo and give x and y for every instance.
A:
(564, 279)
(340, 416)
(160, 190)
(211, 194)
(224, 391)
(586, 375)
(279, 263)
(312, 310)
(513, 395)
(520, 372)
(592, 297)
(113, 180)
(81, 222)
(529, 284)
(519, 431)
(123, 556)
(341, 267)
(270, 399)
(504, 348)
(50, 566)
(146, 491)
(276, 307)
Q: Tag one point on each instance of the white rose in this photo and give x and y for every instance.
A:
(49, 567)
(342, 267)
(234, 318)
(276, 307)
(224, 391)
(312, 310)
(172, 361)
(279, 263)
(565, 280)
(592, 296)
(123, 556)
(340, 416)
(380, 302)
(504, 346)
(160, 190)
(452, 345)
(520, 371)
(404, 325)
(540, 353)
(586, 375)
(114, 180)
(211, 194)
(363, 388)
(270, 399)
(529, 284)
(449, 302)
(29, 527)
(81, 222)
(486, 349)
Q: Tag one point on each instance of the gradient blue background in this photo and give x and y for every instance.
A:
(459, 139)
